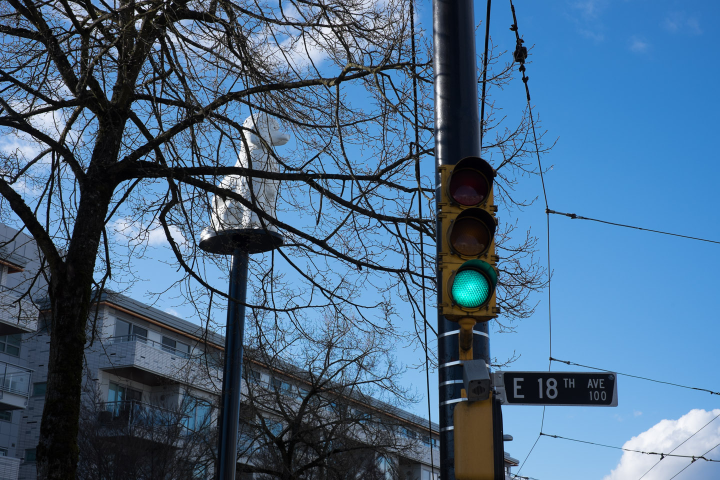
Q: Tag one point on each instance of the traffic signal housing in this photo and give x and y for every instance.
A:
(467, 260)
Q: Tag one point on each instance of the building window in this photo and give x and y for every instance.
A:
(10, 344)
(129, 331)
(200, 472)
(39, 389)
(199, 414)
(276, 427)
(30, 455)
(255, 376)
(362, 417)
(173, 346)
(409, 433)
(118, 393)
(6, 415)
(282, 387)
(386, 468)
(168, 344)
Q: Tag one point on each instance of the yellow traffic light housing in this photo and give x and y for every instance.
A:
(467, 260)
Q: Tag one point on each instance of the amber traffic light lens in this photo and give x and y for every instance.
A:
(468, 187)
(469, 236)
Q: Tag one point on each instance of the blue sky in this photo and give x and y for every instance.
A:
(628, 88)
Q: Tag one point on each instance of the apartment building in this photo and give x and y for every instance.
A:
(146, 371)
(17, 317)
(152, 377)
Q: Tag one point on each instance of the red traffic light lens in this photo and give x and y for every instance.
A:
(468, 187)
(470, 236)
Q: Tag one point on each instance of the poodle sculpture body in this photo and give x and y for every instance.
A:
(263, 132)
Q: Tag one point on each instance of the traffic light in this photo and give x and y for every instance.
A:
(467, 267)
(467, 235)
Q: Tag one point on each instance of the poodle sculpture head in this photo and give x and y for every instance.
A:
(265, 126)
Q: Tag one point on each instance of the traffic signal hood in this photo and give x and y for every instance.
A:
(467, 235)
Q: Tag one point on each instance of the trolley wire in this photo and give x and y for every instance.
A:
(711, 392)
(683, 443)
(662, 455)
(693, 461)
(420, 214)
(484, 80)
(519, 56)
(578, 217)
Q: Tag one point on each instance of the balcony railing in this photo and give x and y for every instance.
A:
(16, 315)
(15, 379)
(154, 344)
(133, 413)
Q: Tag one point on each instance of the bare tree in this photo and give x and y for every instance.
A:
(130, 439)
(317, 416)
(122, 116)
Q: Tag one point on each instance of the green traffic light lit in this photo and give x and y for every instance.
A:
(473, 284)
(470, 289)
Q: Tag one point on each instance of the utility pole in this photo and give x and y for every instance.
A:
(461, 337)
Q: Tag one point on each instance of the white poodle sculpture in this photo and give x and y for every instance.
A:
(262, 132)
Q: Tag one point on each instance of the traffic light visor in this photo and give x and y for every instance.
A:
(473, 284)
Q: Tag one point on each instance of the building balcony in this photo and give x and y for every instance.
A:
(16, 316)
(9, 468)
(141, 421)
(15, 382)
(139, 359)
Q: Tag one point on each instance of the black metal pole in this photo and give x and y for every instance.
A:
(457, 135)
(229, 414)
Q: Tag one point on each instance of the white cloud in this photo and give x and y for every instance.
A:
(585, 14)
(16, 146)
(638, 44)
(172, 311)
(153, 236)
(666, 436)
(589, 8)
(157, 237)
(594, 36)
(680, 22)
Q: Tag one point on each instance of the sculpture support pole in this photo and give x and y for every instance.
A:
(241, 243)
(229, 415)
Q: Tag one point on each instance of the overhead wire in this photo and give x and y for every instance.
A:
(681, 444)
(662, 455)
(693, 461)
(484, 80)
(519, 56)
(420, 214)
(578, 217)
(636, 376)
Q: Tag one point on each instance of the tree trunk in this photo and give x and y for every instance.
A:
(70, 292)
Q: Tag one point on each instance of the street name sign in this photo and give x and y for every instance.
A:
(557, 388)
